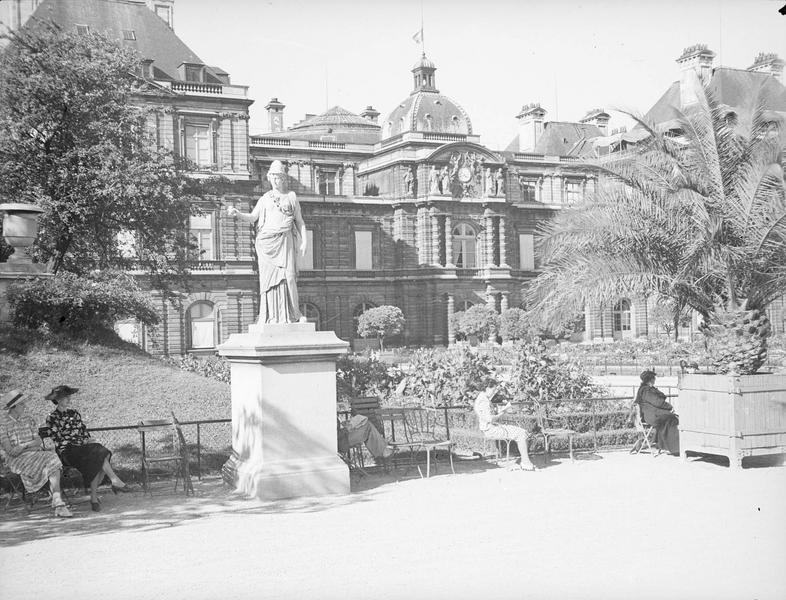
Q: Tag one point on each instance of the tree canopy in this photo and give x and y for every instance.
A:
(381, 322)
(75, 140)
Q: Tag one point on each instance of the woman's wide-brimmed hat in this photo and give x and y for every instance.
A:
(61, 391)
(647, 376)
(11, 399)
(276, 168)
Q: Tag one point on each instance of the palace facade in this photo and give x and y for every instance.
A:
(407, 208)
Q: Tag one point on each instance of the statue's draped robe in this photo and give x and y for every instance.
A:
(276, 245)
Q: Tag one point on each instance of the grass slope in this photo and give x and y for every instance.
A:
(119, 383)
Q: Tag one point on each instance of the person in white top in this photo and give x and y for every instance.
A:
(487, 423)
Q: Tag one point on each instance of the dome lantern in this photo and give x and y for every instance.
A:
(424, 78)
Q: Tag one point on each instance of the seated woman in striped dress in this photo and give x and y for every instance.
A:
(24, 453)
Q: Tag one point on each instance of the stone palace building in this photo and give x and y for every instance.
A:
(407, 208)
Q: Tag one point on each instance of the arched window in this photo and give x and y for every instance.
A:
(311, 312)
(464, 246)
(359, 310)
(201, 325)
(621, 314)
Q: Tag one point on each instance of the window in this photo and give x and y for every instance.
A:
(363, 251)
(327, 183)
(201, 320)
(573, 192)
(198, 144)
(311, 312)
(464, 246)
(306, 262)
(128, 330)
(165, 13)
(193, 74)
(526, 252)
(201, 231)
(359, 310)
(621, 315)
(464, 305)
(528, 193)
(82, 29)
(129, 34)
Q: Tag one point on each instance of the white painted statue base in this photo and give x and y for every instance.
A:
(284, 412)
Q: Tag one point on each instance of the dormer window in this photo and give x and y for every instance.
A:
(129, 34)
(194, 74)
(165, 12)
(82, 29)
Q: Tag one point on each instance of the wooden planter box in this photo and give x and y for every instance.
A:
(732, 416)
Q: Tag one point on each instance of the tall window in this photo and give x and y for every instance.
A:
(526, 252)
(201, 231)
(311, 312)
(202, 325)
(306, 262)
(621, 315)
(363, 251)
(198, 144)
(464, 246)
(573, 192)
(528, 190)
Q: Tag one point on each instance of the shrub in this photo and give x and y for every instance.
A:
(514, 325)
(479, 321)
(79, 305)
(212, 367)
(358, 376)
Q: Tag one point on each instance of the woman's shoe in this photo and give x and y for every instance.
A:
(96, 506)
(122, 490)
(61, 510)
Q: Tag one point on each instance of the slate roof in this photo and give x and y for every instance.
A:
(337, 124)
(562, 138)
(154, 39)
(732, 87)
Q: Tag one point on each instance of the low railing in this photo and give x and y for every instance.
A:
(327, 145)
(196, 88)
(445, 137)
(269, 141)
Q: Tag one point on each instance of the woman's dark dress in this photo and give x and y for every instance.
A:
(657, 412)
(72, 442)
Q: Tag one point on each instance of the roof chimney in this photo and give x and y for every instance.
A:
(275, 115)
(768, 62)
(599, 118)
(530, 126)
(370, 113)
(695, 69)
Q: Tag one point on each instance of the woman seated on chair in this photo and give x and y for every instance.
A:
(75, 448)
(657, 412)
(24, 451)
(487, 423)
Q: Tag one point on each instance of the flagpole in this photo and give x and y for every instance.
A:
(422, 37)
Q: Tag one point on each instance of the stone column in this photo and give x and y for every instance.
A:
(539, 190)
(435, 236)
(448, 239)
(284, 412)
(489, 222)
(451, 330)
(503, 255)
(422, 235)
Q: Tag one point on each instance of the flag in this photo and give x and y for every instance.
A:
(418, 37)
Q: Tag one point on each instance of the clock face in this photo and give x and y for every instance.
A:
(464, 174)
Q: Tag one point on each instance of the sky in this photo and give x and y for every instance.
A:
(492, 56)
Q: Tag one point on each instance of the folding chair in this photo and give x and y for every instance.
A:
(548, 430)
(167, 450)
(367, 406)
(644, 431)
(10, 481)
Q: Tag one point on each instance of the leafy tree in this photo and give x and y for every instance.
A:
(699, 218)
(381, 322)
(514, 324)
(478, 320)
(74, 140)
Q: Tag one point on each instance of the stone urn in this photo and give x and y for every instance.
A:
(20, 227)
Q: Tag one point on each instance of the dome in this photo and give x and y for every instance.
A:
(424, 63)
(425, 111)
(335, 125)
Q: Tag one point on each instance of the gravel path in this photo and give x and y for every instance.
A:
(609, 526)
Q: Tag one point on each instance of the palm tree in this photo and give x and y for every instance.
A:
(698, 217)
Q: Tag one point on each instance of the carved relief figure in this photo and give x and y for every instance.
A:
(489, 183)
(280, 232)
(445, 181)
(433, 181)
(499, 189)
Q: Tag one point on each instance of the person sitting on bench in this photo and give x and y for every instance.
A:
(359, 430)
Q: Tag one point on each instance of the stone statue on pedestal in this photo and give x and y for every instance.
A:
(280, 232)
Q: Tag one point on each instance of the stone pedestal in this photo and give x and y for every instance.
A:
(284, 412)
(16, 272)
